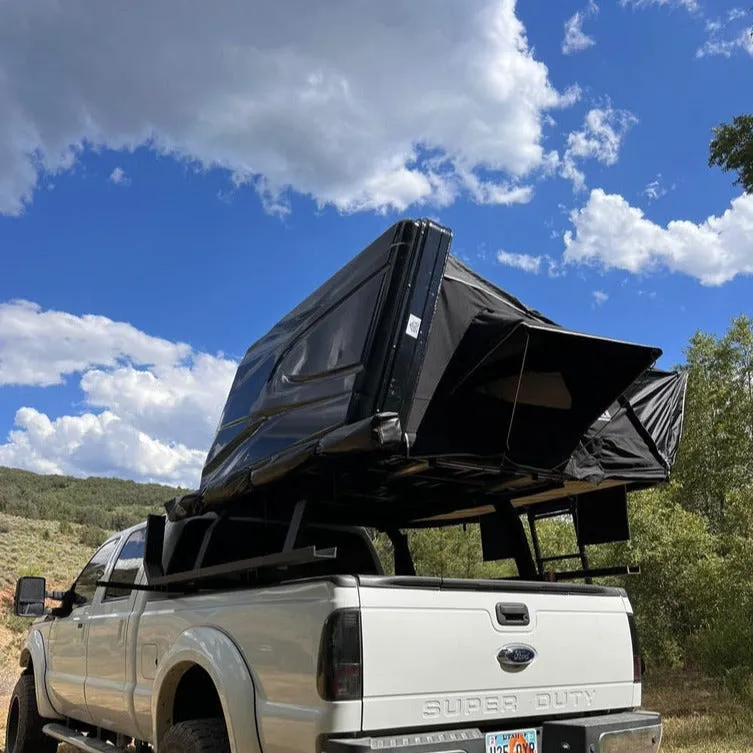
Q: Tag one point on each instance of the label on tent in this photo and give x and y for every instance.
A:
(605, 416)
(414, 325)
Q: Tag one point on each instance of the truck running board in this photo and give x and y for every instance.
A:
(78, 740)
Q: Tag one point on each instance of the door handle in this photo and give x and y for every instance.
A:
(512, 614)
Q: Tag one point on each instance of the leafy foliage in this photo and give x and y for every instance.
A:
(732, 149)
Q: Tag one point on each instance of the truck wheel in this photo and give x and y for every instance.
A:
(196, 736)
(23, 730)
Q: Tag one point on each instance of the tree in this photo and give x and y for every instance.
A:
(717, 443)
(732, 149)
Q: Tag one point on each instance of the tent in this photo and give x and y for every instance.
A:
(408, 390)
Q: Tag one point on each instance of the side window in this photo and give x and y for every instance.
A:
(127, 565)
(86, 583)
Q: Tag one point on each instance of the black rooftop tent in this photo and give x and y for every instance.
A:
(409, 391)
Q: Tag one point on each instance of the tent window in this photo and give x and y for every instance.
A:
(337, 340)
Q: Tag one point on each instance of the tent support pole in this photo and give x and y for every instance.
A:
(535, 540)
(295, 526)
(579, 539)
(510, 521)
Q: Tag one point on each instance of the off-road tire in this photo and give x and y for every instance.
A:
(196, 736)
(23, 729)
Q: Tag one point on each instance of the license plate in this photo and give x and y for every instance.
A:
(515, 741)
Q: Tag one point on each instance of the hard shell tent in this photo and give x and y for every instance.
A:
(407, 389)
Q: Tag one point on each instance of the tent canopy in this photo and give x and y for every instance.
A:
(408, 389)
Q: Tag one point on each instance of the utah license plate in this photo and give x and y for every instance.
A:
(516, 741)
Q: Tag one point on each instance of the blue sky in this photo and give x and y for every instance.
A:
(171, 184)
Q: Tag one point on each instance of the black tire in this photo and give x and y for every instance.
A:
(23, 729)
(196, 736)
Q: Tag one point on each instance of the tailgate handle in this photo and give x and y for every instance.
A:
(512, 614)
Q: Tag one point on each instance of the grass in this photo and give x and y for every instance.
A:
(700, 714)
(32, 547)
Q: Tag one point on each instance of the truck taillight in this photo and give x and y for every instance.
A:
(637, 658)
(339, 677)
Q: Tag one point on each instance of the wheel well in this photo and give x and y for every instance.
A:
(196, 697)
(26, 662)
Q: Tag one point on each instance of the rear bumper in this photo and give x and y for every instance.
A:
(627, 732)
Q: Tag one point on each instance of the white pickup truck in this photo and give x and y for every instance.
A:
(255, 617)
(331, 656)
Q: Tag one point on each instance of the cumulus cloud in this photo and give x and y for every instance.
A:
(599, 139)
(96, 445)
(576, 39)
(600, 297)
(40, 348)
(611, 233)
(150, 405)
(358, 105)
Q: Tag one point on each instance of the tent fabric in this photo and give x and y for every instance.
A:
(530, 387)
(637, 438)
(463, 295)
(493, 380)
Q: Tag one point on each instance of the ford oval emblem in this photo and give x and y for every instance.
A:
(516, 656)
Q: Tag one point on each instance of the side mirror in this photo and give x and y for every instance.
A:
(29, 598)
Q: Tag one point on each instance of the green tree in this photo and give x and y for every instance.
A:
(717, 442)
(732, 149)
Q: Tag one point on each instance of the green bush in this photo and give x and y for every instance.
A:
(92, 536)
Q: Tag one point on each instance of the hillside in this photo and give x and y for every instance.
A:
(107, 503)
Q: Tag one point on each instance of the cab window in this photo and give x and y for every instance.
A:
(127, 565)
(86, 583)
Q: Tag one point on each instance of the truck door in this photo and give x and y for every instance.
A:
(66, 660)
(107, 653)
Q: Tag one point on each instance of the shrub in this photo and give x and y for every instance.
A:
(92, 536)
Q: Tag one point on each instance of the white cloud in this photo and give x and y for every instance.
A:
(96, 445)
(178, 401)
(610, 233)
(575, 38)
(40, 347)
(600, 138)
(690, 5)
(531, 264)
(525, 262)
(656, 189)
(151, 405)
(720, 44)
(118, 176)
(600, 297)
(284, 96)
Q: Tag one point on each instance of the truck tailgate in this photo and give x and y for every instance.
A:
(454, 652)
